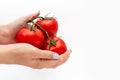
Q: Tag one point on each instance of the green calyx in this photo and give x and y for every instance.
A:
(52, 42)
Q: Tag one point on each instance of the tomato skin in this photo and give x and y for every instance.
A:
(59, 47)
(35, 38)
(50, 25)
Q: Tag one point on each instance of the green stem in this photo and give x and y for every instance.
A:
(43, 30)
(47, 14)
(40, 17)
(34, 24)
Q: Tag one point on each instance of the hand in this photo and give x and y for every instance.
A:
(8, 32)
(28, 55)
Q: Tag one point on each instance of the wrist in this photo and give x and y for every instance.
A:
(7, 54)
(4, 34)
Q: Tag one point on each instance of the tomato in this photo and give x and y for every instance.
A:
(55, 44)
(34, 37)
(49, 24)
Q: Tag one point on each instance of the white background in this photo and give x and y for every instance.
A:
(91, 28)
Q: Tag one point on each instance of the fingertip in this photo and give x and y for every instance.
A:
(38, 12)
(69, 51)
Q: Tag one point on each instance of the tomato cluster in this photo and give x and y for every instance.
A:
(42, 33)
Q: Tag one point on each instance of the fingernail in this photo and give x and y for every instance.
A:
(56, 56)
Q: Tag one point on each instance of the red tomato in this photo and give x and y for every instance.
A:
(49, 24)
(34, 37)
(55, 44)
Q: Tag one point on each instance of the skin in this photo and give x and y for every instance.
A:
(23, 53)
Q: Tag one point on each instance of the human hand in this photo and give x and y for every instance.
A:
(8, 32)
(28, 55)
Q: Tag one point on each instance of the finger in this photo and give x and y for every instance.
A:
(66, 53)
(45, 54)
(63, 58)
(49, 63)
(46, 59)
(41, 63)
(52, 55)
(60, 62)
(22, 21)
(31, 16)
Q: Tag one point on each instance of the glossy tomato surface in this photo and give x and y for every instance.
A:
(55, 44)
(49, 24)
(34, 37)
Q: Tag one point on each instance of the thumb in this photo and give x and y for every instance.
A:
(22, 21)
(30, 16)
(45, 54)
